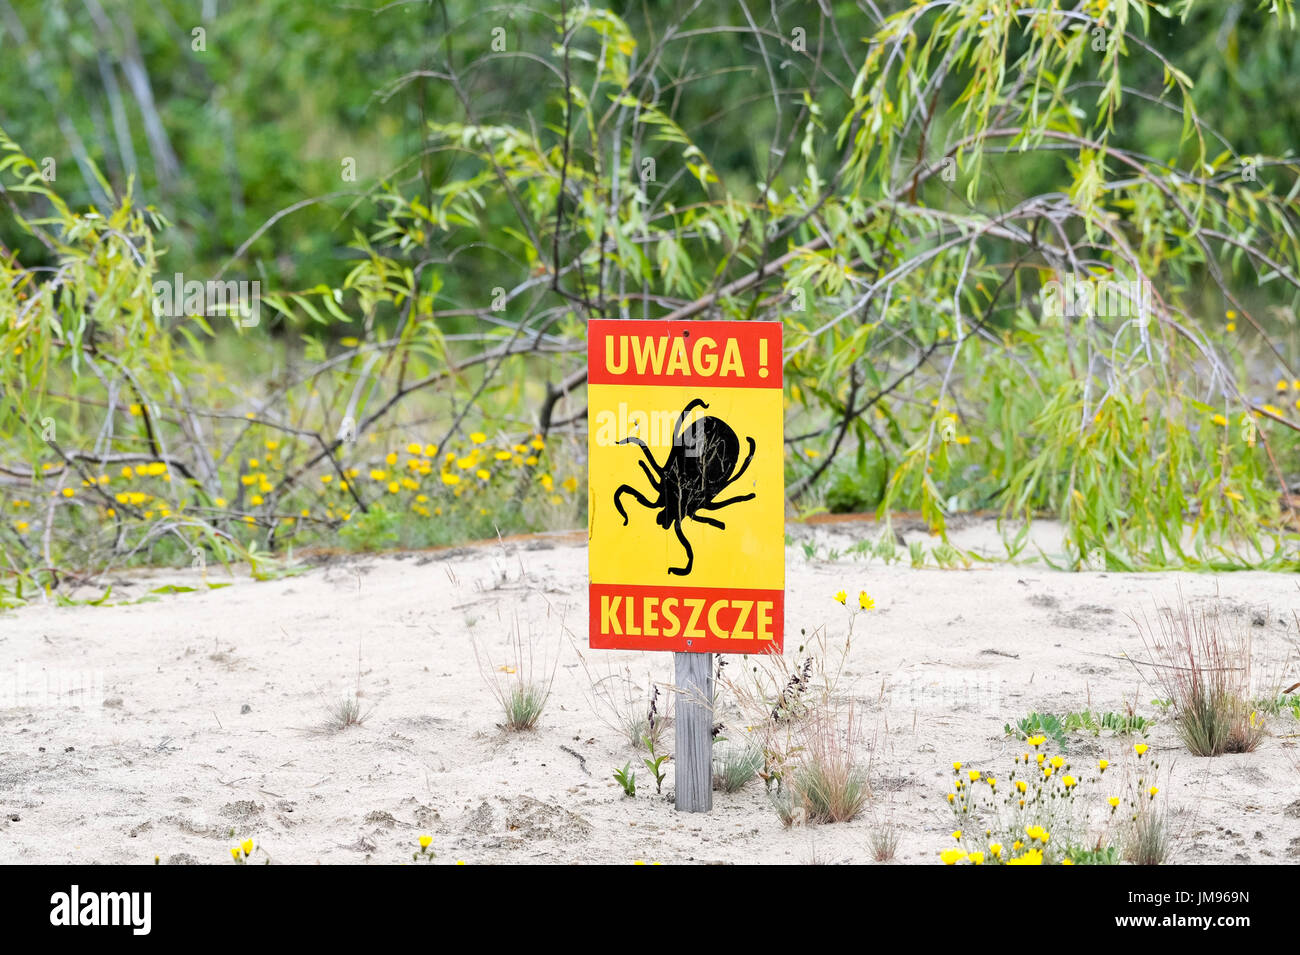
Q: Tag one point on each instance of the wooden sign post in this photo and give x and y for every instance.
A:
(686, 507)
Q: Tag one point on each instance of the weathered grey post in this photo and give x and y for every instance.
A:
(693, 761)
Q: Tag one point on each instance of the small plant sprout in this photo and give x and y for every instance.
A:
(627, 779)
(425, 853)
(655, 762)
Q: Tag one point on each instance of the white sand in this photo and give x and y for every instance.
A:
(168, 764)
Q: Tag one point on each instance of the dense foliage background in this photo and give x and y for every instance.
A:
(437, 196)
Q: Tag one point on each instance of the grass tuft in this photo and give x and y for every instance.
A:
(883, 840)
(830, 781)
(1147, 841)
(1202, 663)
(735, 765)
(344, 713)
(523, 686)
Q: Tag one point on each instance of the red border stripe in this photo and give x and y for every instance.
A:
(626, 610)
(624, 341)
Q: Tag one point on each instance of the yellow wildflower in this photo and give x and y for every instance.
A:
(1032, 857)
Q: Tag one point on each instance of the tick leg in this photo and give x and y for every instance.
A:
(677, 428)
(737, 475)
(690, 554)
(710, 521)
(654, 482)
(645, 449)
(718, 505)
(640, 499)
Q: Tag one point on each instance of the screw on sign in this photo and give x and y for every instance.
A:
(685, 420)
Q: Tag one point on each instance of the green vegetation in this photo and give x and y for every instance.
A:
(627, 780)
(1057, 728)
(1037, 262)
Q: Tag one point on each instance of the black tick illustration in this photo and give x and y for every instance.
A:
(698, 469)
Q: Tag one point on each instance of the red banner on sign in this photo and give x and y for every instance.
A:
(695, 619)
(700, 354)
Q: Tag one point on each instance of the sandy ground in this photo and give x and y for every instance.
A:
(209, 715)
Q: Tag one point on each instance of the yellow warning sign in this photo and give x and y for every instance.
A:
(686, 493)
